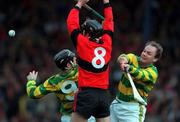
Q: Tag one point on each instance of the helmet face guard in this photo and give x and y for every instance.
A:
(93, 28)
(63, 57)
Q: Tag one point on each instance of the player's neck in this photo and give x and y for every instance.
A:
(144, 64)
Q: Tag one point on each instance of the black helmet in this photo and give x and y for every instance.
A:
(63, 57)
(93, 28)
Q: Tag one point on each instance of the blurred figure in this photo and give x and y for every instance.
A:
(144, 74)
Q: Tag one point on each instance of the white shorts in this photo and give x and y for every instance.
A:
(121, 111)
(67, 118)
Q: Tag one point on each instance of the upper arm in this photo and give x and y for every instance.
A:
(74, 36)
(131, 57)
(146, 75)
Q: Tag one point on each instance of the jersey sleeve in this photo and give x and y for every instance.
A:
(34, 91)
(108, 24)
(129, 57)
(73, 24)
(73, 20)
(148, 75)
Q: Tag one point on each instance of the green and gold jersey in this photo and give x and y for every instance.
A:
(64, 86)
(144, 79)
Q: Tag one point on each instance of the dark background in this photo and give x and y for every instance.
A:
(41, 32)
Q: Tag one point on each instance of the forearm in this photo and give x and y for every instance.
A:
(145, 75)
(108, 17)
(73, 19)
(34, 91)
(30, 88)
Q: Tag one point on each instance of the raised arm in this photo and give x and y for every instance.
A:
(34, 91)
(73, 17)
(108, 24)
(73, 20)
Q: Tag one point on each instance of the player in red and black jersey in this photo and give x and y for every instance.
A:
(93, 43)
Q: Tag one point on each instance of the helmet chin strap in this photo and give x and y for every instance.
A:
(70, 67)
(73, 64)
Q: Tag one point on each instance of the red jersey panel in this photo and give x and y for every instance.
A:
(93, 58)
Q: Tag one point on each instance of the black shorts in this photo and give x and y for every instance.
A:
(92, 101)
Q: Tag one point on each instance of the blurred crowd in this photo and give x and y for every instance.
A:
(41, 32)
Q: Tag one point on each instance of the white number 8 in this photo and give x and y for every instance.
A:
(99, 57)
(68, 91)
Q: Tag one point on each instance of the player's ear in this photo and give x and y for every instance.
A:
(75, 60)
(155, 60)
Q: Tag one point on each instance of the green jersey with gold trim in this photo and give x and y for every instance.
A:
(144, 79)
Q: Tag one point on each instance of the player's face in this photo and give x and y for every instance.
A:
(72, 64)
(148, 55)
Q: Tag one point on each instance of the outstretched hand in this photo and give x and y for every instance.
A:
(32, 75)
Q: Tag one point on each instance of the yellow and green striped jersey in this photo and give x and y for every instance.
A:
(64, 86)
(144, 79)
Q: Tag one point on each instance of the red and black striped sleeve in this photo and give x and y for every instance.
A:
(73, 24)
(108, 24)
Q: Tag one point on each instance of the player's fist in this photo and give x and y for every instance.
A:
(105, 1)
(32, 75)
(124, 66)
(81, 3)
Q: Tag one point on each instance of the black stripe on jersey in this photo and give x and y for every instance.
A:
(88, 66)
(110, 33)
(74, 35)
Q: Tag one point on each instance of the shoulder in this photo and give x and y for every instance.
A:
(132, 57)
(55, 79)
(153, 71)
(154, 68)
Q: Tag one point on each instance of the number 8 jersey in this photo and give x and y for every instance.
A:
(93, 58)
